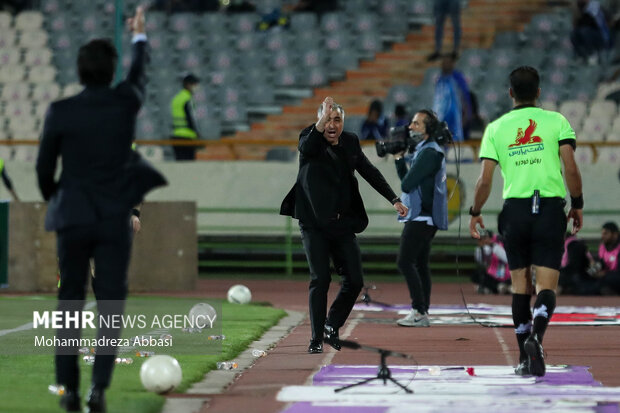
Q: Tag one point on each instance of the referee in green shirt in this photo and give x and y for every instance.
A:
(528, 144)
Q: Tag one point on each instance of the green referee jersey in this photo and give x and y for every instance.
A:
(526, 144)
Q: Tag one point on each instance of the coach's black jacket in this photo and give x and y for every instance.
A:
(92, 132)
(314, 197)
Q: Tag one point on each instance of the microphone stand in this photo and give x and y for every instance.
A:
(383, 372)
(366, 299)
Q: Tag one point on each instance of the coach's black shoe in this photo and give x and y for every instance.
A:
(523, 369)
(331, 337)
(70, 401)
(534, 351)
(96, 400)
(315, 347)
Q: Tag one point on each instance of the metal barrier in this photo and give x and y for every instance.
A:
(285, 231)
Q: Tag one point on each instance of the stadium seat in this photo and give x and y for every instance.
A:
(312, 58)
(23, 125)
(10, 56)
(549, 105)
(508, 40)
(369, 43)
(29, 20)
(234, 113)
(182, 22)
(595, 129)
(42, 74)
(603, 108)
(36, 57)
(45, 92)
(246, 42)
(18, 108)
(584, 155)
(243, 22)
(32, 38)
(301, 22)
(156, 22)
(6, 21)
(503, 58)
(332, 22)
(8, 38)
(574, 111)
(609, 155)
(15, 91)
(474, 58)
(12, 73)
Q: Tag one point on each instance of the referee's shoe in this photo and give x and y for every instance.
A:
(534, 351)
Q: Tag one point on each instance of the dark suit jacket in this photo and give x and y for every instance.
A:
(93, 132)
(314, 197)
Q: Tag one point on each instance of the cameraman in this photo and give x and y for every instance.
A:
(425, 194)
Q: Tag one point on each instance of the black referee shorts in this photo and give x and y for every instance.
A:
(533, 239)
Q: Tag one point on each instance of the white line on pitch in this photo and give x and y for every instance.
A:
(504, 346)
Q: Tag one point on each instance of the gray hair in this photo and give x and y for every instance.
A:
(335, 106)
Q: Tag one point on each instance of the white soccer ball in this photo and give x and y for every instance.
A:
(202, 315)
(239, 294)
(161, 374)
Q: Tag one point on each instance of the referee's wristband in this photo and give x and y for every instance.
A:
(395, 200)
(576, 203)
(135, 212)
(473, 213)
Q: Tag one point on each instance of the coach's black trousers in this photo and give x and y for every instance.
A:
(109, 243)
(413, 257)
(343, 248)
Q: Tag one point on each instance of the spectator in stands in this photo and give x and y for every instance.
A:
(492, 274)
(475, 127)
(590, 35)
(400, 116)
(443, 9)
(7, 181)
(452, 101)
(183, 120)
(608, 256)
(376, 125)
(578, 275)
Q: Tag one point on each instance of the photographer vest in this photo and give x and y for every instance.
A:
(413, 199)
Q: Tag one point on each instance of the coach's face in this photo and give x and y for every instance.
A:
(333, 127)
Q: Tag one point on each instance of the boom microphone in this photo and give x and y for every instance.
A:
(356, 346)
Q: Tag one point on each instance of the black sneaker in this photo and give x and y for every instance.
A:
(534, 351)
(315, 347)
(523, 369)
(331, 337)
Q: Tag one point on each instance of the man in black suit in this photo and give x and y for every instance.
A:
(89, 207)
(327, 202)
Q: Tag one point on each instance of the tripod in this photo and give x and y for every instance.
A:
(383, 373)
(366, 299)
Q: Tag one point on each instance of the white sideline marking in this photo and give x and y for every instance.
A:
(504, 346)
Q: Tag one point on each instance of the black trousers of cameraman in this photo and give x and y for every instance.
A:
(413, 257)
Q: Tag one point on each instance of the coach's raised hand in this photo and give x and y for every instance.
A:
(136, 23)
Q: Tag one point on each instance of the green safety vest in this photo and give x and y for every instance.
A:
(180, 124)
(1, 164)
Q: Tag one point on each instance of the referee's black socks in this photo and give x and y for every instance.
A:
(522, 318)
(543, 310)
